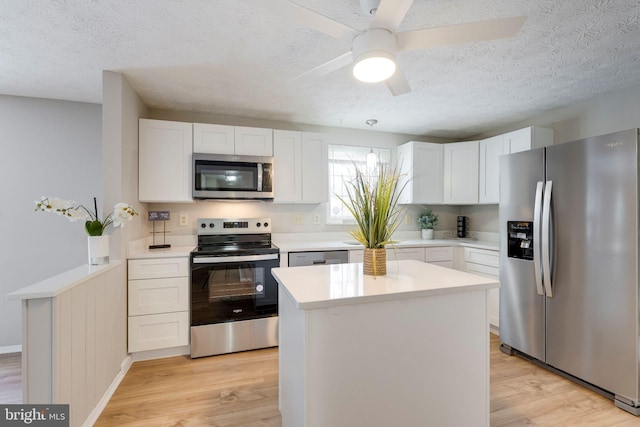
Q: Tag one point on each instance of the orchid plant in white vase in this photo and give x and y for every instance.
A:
(93, 225)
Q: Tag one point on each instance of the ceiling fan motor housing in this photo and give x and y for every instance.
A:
(374, 41)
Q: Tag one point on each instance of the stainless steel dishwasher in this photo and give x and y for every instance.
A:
(297, 259)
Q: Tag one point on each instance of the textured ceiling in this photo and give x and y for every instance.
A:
(226, 57)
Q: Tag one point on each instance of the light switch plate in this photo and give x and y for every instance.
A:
(298, 219)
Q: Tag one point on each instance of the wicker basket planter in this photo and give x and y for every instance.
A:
(375, 262)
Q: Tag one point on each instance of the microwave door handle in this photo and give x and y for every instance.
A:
(259, 176)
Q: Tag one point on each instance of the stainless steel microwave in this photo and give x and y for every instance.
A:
(217, 176)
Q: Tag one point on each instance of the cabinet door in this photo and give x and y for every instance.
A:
(519, 140)
(213, 139)
(315, 168)
(287, 157)
(490, 151)
(461, 172)
(422, 170)
(164, 171)
(253, 141)
(428, 172)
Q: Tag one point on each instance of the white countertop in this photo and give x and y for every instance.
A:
(350, 244)
(323, 286)
(172, 252)
(54, 286)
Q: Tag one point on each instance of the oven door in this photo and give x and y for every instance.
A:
(231, 288)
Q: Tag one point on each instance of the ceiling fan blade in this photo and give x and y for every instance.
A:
(299, 15)
(461, 33)
(327, 67)
(390, 14)
(397, 83)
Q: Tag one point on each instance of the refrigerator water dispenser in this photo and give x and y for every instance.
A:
(520, 240)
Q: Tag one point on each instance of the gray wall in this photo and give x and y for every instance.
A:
(51, 148)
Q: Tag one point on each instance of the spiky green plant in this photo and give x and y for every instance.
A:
(373, 202)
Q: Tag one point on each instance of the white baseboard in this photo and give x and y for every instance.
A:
(161, 353)
(494, 329)
(97, 410)
(11, 349)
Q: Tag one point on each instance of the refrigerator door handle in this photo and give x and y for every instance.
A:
(546, 243)
(537, 211)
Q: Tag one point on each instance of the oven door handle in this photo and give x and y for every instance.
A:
(228, 259)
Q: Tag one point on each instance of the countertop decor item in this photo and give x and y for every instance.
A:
(427, 221)
(163, 216)
(98, 243)
(372, 199)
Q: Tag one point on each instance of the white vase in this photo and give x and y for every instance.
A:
(427, 233)
(98, 250)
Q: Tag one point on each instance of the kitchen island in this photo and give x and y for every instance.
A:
(409, 348)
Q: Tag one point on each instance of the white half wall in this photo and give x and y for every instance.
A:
(47, 147)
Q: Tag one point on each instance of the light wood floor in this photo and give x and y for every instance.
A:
(10, 378)
(242, 390)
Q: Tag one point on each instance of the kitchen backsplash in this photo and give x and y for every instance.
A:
(290, 218)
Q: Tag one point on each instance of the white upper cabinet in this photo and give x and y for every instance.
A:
(215, 139)
(490, 151)
(293, 182)
(528, 139)
(492, 148)
(422, 169)
(165, 150)
(287, 157)
(253, 141)
(235, 140)
(461, 173)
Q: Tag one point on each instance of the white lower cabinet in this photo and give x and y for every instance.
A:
(484, 262)
(440, 255)
(356, 256)
(158, 303)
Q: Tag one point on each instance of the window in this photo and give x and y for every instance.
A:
(343, 160)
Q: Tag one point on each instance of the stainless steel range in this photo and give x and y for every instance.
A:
(234, 297)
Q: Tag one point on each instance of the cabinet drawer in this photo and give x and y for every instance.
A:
(394, 254)
(157, 331)
(442, 253)
(153, 296)
(356, 256)
(483, 270)
(448, 264)
(158, 268)
(482, 256)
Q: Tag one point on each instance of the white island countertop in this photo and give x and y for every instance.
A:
(340, 284)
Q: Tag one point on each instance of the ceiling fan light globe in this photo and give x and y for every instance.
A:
(375, 67)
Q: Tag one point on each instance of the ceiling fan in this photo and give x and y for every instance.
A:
(373, 51)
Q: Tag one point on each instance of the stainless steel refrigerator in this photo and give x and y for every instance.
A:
(569, 261)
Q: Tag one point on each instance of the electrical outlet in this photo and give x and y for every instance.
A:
(316, 219)
(298, 219)
(407, 219)
(184, 218)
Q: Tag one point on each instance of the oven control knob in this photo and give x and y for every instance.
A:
(266, 224)
(259, 288)
(258, 224)
(212, 225)
(203, 225)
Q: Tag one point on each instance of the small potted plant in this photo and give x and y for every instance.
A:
(427, 221)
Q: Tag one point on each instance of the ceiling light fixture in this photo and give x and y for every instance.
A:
(374, 53)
